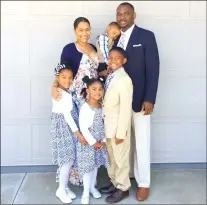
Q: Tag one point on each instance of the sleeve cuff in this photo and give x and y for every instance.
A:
(91, 142)
(75, 129)
(121, 135)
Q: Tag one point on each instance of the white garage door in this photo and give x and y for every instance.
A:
(33, 35)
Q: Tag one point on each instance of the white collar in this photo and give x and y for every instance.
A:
(128, 31)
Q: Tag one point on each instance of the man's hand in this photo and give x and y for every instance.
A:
(118, 141)
(56, 93)
(147, 108)
(81, 138)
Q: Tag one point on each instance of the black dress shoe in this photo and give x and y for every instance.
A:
(108, 189)
(117, 196)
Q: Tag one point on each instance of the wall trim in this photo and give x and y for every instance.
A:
(53, 168)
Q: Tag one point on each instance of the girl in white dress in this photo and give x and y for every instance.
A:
(93, 155)
(65, 135)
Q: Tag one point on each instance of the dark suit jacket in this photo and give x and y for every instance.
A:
(142, 66)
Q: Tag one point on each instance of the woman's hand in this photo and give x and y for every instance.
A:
(56, 93)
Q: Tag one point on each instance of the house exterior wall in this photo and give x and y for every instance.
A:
(32, 37)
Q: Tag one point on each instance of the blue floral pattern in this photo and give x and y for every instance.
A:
(63, 144)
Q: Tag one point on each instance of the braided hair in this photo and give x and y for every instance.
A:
(61, 67)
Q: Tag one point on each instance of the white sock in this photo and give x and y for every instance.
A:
(93, 179)
(64, 176)
(87, 183)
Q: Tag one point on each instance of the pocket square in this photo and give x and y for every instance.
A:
(137, 45)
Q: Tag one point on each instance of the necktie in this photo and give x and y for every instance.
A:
(121, 41)
(108, 80)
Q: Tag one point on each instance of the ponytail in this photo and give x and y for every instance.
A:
(83, 92)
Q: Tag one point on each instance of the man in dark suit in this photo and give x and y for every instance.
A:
(143, 68)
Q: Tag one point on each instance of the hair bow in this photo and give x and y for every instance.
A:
(58, 68)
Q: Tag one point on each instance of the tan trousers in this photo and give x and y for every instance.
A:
(119, 163)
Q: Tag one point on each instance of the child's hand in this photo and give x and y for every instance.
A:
(118, 141)
(81, 138)
(56, 93)
(103, 144)
(97, 145)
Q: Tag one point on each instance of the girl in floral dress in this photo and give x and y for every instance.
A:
(93, 155)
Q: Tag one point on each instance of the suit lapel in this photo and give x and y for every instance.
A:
(133, 37)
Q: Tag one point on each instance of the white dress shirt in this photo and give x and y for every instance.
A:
(65, 106)
(127, 35)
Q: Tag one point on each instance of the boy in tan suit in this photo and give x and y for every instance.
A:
(117, 104)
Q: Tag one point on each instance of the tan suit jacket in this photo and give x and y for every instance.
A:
(117, 106)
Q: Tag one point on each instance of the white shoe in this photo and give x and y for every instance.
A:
(62, 195)
(70, 193)
(96, 194)
(84, 199)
